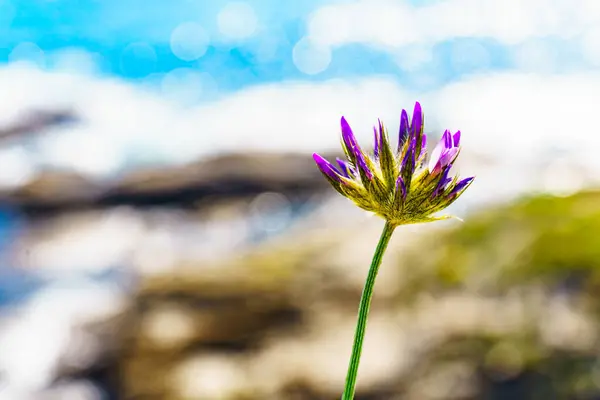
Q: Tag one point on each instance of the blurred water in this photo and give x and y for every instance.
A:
(16, 284)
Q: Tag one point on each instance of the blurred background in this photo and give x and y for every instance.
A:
(164, 233)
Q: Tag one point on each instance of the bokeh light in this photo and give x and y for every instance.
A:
(28, 52)
(138, 59)
(76, 61)
(189, 41)
(311, 58)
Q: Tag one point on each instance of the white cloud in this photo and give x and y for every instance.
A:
(118, 119)
(536, 55)
(591, 46)
(523, 115)
(388, 23)
(512, 116)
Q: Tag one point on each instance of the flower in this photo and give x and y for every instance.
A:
(396, 184)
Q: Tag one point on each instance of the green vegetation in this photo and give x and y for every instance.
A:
(542, 239)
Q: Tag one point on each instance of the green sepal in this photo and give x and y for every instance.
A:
(349, 154)
(389, 168)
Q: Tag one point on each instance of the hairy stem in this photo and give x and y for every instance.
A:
(363, 311)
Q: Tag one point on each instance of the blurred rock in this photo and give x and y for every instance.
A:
(214, 179)
(36, 121)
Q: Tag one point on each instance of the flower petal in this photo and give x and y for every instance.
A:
(447, 138)
(436, 154)
(403, 132)
(456, 138)
(460, 186)
(362, 165)
(448, 156)
(327, 168)
(423, 146)
(354, 149)
(345, 168)
(347, 135)
(444, 180)
(407, 166)
(416, 125)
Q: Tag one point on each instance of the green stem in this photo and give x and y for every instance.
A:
(363, 311)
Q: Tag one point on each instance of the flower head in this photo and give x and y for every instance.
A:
(394, 182)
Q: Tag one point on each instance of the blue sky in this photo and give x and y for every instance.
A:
(108, 27)
(198, 77)
(112, 30)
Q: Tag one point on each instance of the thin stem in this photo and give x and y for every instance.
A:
(363, 311)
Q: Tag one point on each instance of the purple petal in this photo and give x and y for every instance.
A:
(352, 145)
(461, 185)
(444, 153)
(456, 138)
(401, 186)
(409, 156)
(327, 168)
(447, 139)
(416, 124)
(347, 134)
(346, 169)
(423, 146)
(362, 164)
(444, 180)
(448, 156)
(436, 154)
(403, 133)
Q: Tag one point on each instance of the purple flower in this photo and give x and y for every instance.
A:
(445, 152)
(397, 185)
(327, 168)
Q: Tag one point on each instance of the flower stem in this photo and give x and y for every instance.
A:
(363, 311)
